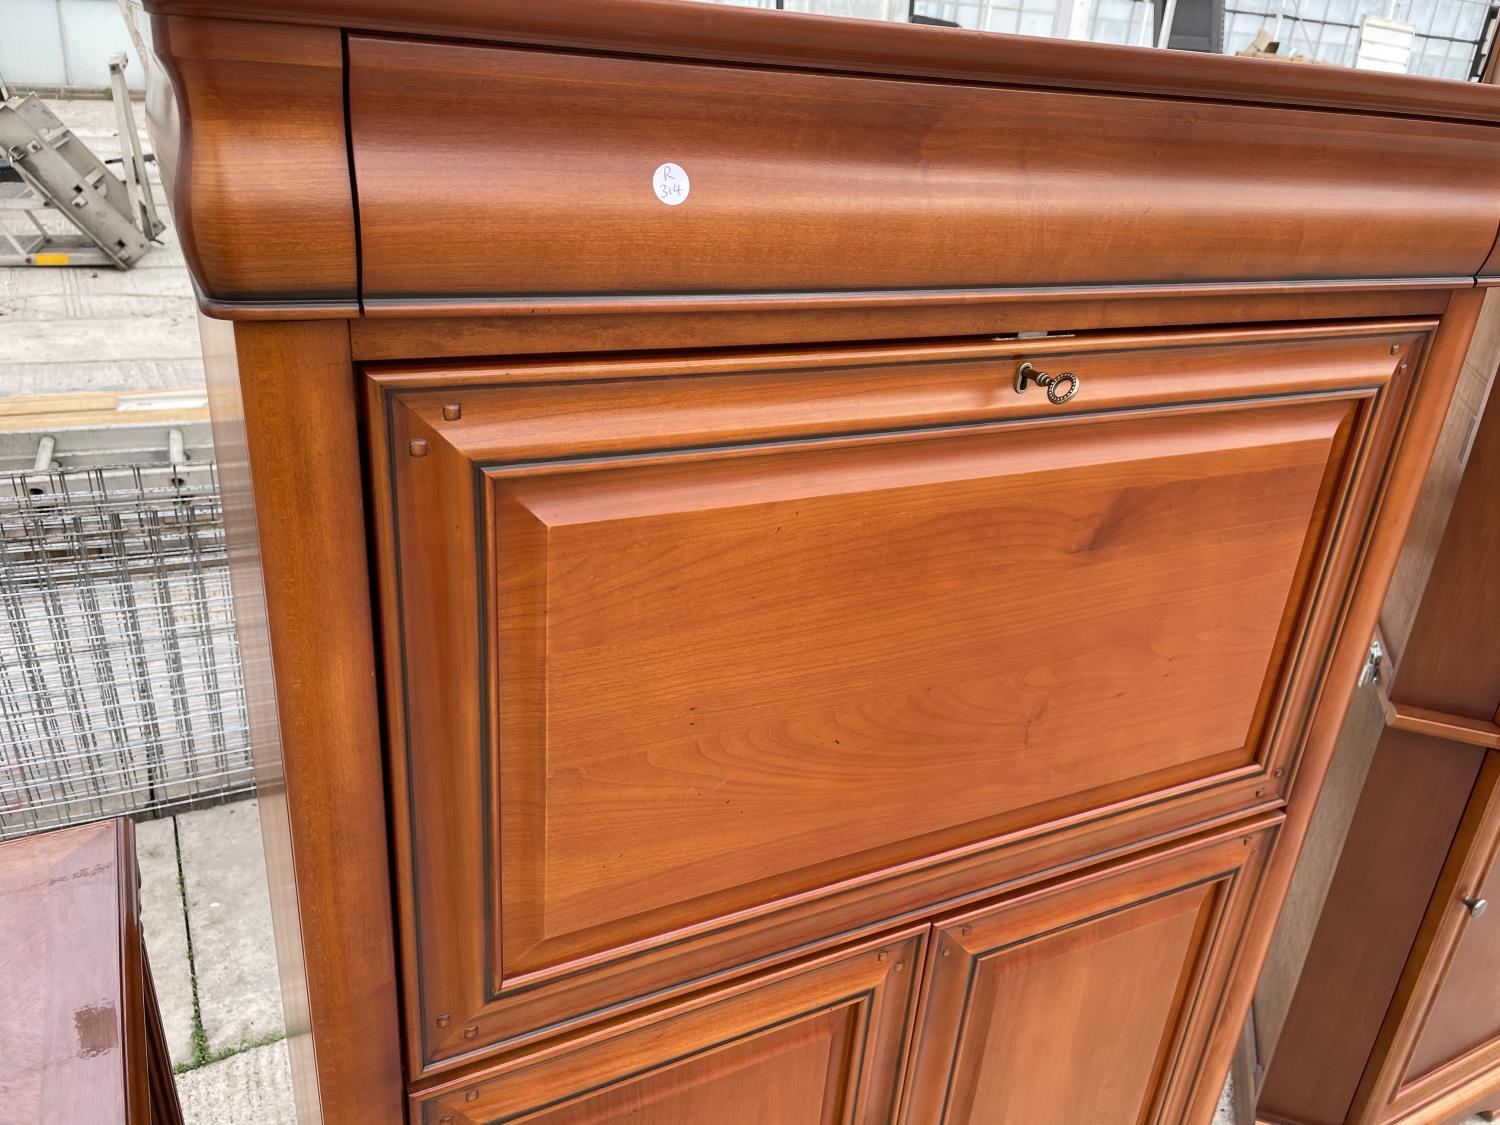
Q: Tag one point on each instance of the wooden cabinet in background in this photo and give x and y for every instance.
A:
(1457, 1042)
(1396, 1016)
(80, 1035)
(956, 498)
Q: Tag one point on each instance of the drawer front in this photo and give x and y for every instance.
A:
(724, 682)
(819, 1044)
(678, 698)
(796, 183)
(1090, 1001)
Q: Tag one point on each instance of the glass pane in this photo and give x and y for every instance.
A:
(1434, 37)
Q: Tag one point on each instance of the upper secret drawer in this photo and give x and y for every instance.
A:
(498, 172)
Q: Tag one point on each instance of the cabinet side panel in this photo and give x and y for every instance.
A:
(285, 423)
(232, 459)
(1451, 663)
(1440, 491)
(1407, 470)
(1309, 890)
(1366, 719)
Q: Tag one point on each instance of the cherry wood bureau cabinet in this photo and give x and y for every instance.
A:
(799, 570)
(1395, 1015)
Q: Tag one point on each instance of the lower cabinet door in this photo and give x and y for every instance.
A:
(1092, 1000)
(820, 1043)
(1439, 1051)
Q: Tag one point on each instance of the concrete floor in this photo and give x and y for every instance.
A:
(208, 933)
(65, 329)
(207, 920)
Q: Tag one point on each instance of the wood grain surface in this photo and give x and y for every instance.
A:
(673, 29)
(1440, 1034)
(262, 200)
(1437, 377)
(1392, 1004)
(1460, 609)
(1217, 524)
(1306, 898)
(1440, 489)
(804, 183)
(398, 333)
(1088, 998)
(1460, 1024)
(1413, 798)
(821, 1043)
(538, 409)
(706, 671)
(267, 213)
(816, 665)
(1368, 715)
(298, 563)
(1374, 559)
(73, 1015)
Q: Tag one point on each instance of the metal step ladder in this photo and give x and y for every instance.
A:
(115, 219)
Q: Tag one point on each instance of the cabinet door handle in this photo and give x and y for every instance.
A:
(1477, 906)
(1056, 395)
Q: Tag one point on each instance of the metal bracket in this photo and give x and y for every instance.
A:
(1374, 665)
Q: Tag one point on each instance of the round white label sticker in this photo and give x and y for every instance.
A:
(671, 184)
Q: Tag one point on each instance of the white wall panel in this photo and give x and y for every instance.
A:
(64, 43)
(31, 52)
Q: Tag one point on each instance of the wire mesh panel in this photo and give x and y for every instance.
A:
(120, 685)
